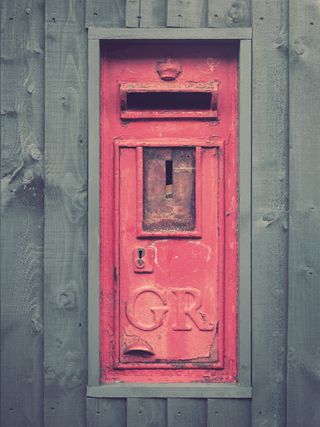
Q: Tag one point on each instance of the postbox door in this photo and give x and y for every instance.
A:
(169, 249)
(168, 301)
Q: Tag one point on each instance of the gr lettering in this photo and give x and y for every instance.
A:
(184, 305)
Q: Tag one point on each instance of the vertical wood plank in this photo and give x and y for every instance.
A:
(269, 211)
(105, 13)
(133, 13)
(304, 236)
(147, 412)
(22, 106)
(230, 13)
(229, 412)
(187, 13)
(146, 13)
(245, 146)
(187, 412)
(94, 211)
(153, 13)
(65, 244)
(106, 412)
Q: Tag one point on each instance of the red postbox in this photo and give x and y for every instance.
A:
(169, 252)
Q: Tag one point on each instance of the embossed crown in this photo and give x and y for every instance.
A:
(168, 69)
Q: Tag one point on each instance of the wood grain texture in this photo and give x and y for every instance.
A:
(153, 13)
(65, 243)
(230, 13)
(304, 236)
(146, 13)
(133, 16)
(269, 211)
(22, 102)
(107, 412)
(93, 211)
(245, 199)
(105, 13)
(229, 413)
(187, 412)
(186, 34)
(187, 13)
(146, 412)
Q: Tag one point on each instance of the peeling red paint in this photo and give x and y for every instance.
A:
(169, 216)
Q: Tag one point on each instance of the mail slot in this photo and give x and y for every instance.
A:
(168, 219)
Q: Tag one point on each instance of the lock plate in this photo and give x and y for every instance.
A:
(143, 259)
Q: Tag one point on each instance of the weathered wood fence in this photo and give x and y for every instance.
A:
(44, 252)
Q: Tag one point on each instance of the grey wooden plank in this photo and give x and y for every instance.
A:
(170, 34)
(105, 13)
(304, 232)
(146, 13)
(195, 390)
(153, 13)
(133, 13)
(229, 413)
(245, 213)
(94, 211)
(146, 412)
(187, 13)
(230, 13)
(65, 241)
(269, 211)
(106, 412)
(187, 412)
(22, 105)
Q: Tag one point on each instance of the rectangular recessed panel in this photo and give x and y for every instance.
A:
(169, 189)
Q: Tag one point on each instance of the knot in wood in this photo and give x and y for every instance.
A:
(237, 12)
(66, 299)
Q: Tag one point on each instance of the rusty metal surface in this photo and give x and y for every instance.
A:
(168, 206)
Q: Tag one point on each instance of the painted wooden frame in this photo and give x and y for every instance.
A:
(243, 388)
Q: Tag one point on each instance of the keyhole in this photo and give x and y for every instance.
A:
(169, 180)
(140, 253)
(140, 262)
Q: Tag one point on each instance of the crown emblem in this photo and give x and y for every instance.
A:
(168, 69)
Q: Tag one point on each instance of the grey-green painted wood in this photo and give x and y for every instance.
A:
(65, 241)
(97, 33)
(269, 211)
(105, 13)
(304, 239)
(153, 13)
(93, 211)
(65, 251)
(146, 412)
(244, 228)
(106, 413)
(171, 13)
(229, 413)
(146, 13)
(187, 412)
(22, 102)
(194, 390)
(133, 13)
(187, 13)
(229, 13)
